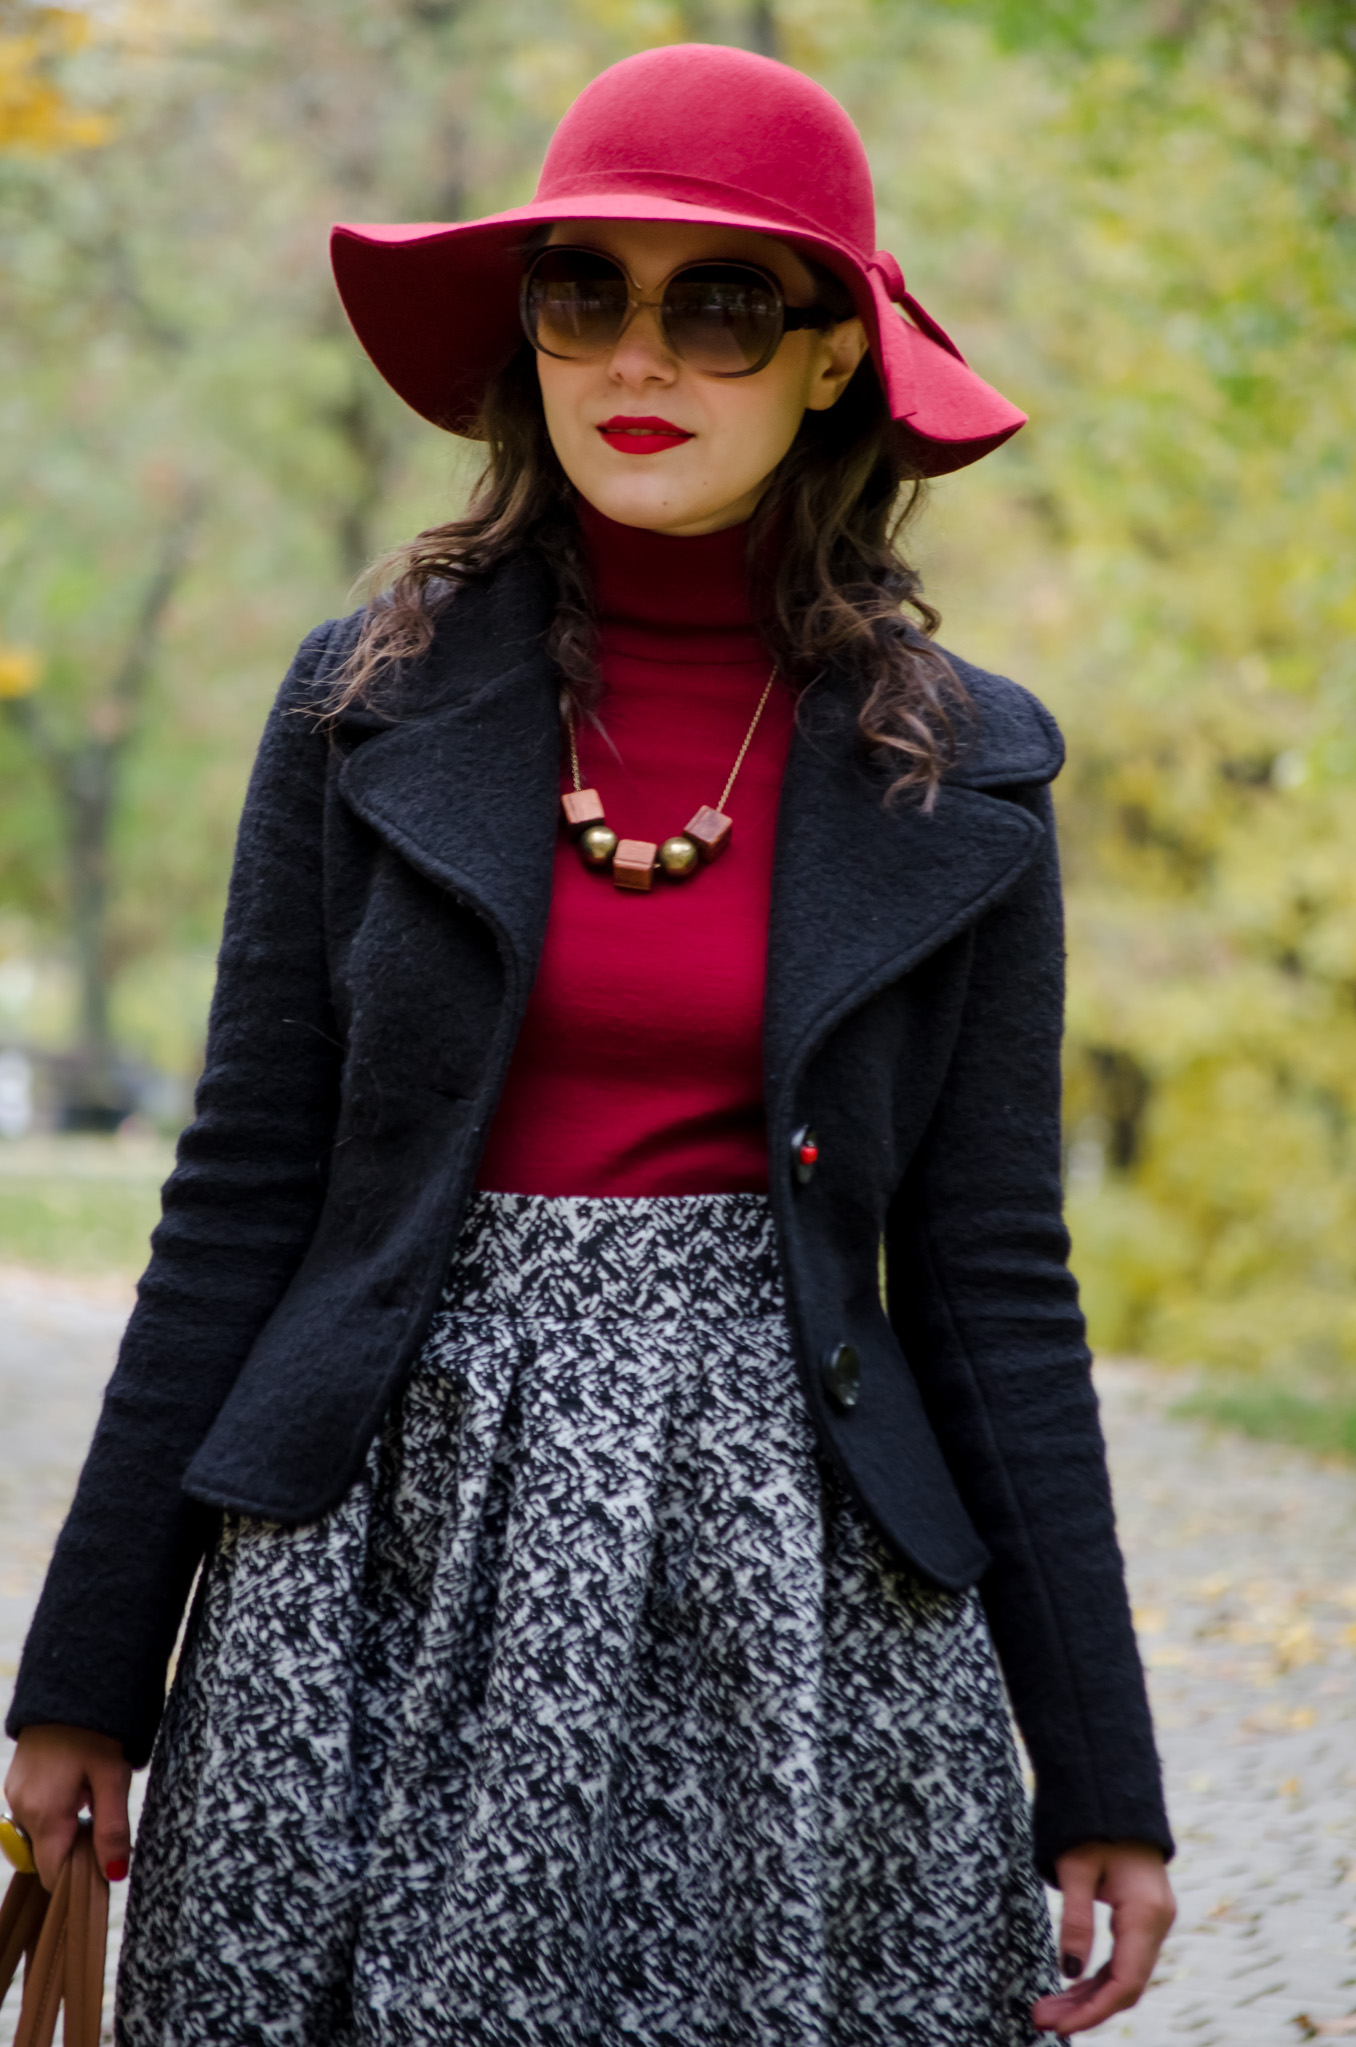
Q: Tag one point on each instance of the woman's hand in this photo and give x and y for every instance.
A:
(1130, 1877)
(55, 1774)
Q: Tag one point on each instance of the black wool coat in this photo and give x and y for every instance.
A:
(386, 916)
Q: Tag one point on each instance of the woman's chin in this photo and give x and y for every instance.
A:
(659, 503)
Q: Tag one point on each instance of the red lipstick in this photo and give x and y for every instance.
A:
(641, 434)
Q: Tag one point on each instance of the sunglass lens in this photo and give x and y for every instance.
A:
(722, 318)
(575, 302)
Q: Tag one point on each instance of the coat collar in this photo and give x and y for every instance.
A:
(861, 891)
(465, 789)
(464, 783)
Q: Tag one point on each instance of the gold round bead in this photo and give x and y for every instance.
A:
(597, 845)
(679, 857)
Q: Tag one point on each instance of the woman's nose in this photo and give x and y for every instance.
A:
(642, 355)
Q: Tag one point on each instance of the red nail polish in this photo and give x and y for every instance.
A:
(116, 1871)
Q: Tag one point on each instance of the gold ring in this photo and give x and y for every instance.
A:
(16, 1846)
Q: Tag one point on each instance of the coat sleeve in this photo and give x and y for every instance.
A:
(238, 1211)
(989, 1316)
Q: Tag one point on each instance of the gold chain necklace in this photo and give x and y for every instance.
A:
(635, 862)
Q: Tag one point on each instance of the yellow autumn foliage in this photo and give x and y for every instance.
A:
(20, 671)
(35, 114)
(1161, 273)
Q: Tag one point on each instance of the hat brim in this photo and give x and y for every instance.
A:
(435, 305)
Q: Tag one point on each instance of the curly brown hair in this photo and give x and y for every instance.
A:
(835, 594)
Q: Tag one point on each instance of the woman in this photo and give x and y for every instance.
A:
(610, 1312)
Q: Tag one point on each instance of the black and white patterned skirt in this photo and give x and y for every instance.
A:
(593, 1716)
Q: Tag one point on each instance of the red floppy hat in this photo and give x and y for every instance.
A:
(694, 132)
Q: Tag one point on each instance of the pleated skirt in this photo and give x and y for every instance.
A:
(594, 1715)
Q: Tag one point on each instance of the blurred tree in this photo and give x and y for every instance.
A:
(1147, 239)
(82, 766)
(170, 335)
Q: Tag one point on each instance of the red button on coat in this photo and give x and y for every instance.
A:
(804, 1153)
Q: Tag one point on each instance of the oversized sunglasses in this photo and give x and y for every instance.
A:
(724, 319)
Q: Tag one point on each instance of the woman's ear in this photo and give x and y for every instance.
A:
(841, 348)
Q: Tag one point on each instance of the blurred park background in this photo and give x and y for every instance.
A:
(1139, 219)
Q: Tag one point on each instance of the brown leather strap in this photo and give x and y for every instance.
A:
(44, 1979)
(21, 1918)
(65, 1938)
(86, 1946)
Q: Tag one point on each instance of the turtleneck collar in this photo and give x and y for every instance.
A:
(688, 598)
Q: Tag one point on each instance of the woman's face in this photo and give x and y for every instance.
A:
(737, 428)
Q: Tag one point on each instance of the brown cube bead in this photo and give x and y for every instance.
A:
(581, 808)
(633, 864)
(711, 830)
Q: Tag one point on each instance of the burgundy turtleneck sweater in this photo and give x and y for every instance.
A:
(638, 1069)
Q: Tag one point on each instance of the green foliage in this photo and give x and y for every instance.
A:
(79, 1206)
(1148, 258)
(1269, 1412)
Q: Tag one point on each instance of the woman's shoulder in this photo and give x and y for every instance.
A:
(1009, 737)
(317, 663)
(478, 629)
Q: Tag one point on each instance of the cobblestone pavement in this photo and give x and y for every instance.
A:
(1243, 1565)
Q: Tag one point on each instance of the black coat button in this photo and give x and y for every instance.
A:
(804, 1153)
(842, 1375)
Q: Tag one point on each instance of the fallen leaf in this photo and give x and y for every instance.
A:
(1281, 1720)
(1297, 1645)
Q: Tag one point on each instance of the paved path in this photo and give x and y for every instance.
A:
(1243, 1562)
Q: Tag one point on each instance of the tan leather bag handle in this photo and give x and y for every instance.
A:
(63, 1941)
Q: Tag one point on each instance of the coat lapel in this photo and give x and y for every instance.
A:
(862, 893)
(466, 789)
